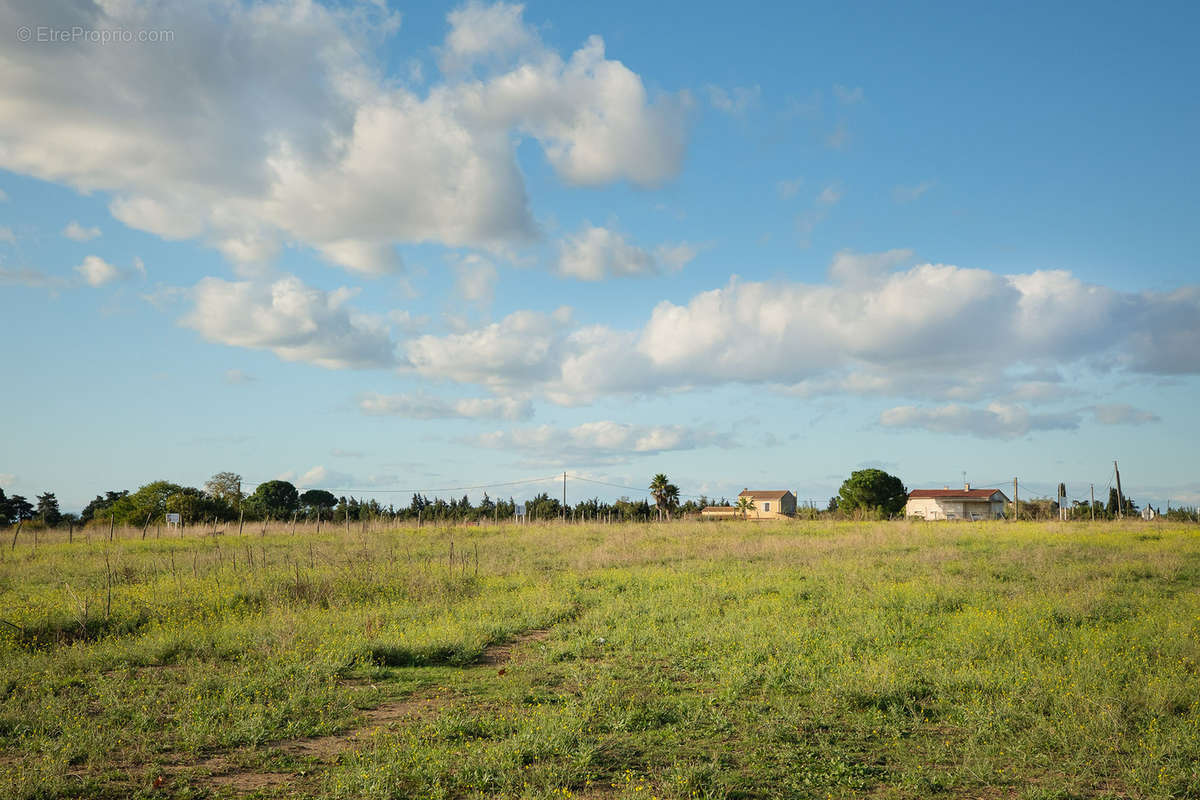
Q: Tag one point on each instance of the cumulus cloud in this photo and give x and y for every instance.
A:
(997, 420)
(79, 233)
(97, 272)
(524, 347)
(594, 254)
(871, 328)
(1122, 414)
(489, 33)
(424, 406)
(605, 441)
(341, 159)
(294, 321)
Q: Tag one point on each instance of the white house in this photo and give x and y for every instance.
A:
(964, 503)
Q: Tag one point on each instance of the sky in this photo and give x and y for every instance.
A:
(377, 248)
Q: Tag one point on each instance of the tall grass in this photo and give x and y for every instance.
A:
(800, 659)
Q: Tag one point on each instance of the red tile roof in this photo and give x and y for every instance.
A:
(766, 495)
(955, 494)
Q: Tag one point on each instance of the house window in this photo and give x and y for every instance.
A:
(767, 506)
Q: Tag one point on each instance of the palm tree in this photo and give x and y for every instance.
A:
(671, 496)
(658, 489)
(745, 504)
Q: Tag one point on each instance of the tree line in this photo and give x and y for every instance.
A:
(222, 500)
(869, 492)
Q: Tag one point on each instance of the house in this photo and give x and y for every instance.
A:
(771, 504)
(767, 505)
(964, 503)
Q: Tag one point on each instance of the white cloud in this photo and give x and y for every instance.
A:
(475, 279)
(294, 321)
(736, 101)
(604, 441)
(870, 329)
(523, 347)
(8, 477)
(97, 272)
(594, 254)
(488, 33)
(997, 420)
(3, 196)
(320, 477)
(592, 116)
(847, 95)
(7, 236)
(341, 158)
(79, 233)
(1122, 414)
(425, 406)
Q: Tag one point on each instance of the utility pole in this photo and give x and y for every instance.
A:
(564, 506)
(1093, 506)
(1016, 502)
(1120, 497)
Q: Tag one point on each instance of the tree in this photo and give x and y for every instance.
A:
(98, 507)
(833, 505)
(274, 499)
(47, 509)
(745, 504)
(872, 490)
(658, 490)
(19, 509)
(1128, 507)
(225, 486)
(6, 511)
(671, 496)
(318, 501)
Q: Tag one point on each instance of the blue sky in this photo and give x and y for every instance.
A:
(379, 248)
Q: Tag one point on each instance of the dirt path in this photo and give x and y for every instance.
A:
(222, 771)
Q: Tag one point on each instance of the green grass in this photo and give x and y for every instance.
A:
(728, 660)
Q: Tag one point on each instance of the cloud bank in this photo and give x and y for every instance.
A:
(340, 159)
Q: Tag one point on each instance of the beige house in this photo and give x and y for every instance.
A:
(767, 505)
(965, 503)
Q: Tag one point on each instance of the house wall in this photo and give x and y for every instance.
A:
(788, 504)
(938, 508)
(781, 508)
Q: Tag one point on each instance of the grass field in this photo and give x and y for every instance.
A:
(625, 661)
